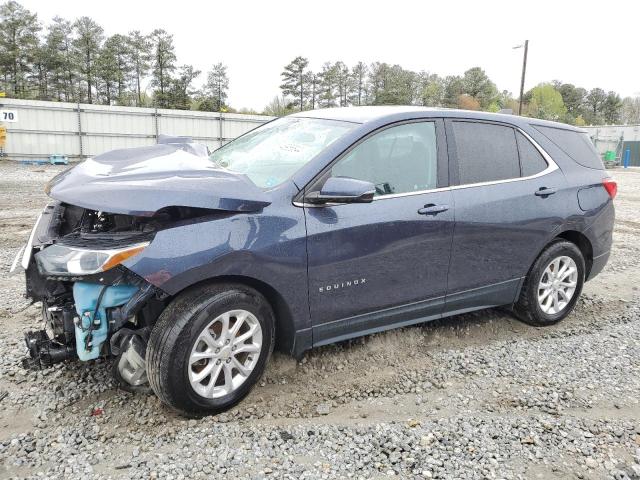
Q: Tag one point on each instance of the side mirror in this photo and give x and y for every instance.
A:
(343, 190)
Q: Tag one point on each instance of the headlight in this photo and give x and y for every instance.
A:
(63, 260)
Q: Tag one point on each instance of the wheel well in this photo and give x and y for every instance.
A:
(285, 328)
(583, 243)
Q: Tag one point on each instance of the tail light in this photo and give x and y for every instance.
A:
(611, 187)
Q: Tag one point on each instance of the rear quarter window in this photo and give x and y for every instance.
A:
(531, 160)
(576, 145)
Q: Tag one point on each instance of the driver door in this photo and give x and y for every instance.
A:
(379, 265)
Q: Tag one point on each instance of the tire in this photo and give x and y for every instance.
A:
(177, 335)
(528, 308)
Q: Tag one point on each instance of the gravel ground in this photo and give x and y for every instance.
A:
(476, 396)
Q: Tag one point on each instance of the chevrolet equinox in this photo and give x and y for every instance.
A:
(325, 225)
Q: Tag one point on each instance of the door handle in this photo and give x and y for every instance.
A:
(433, 209)
(544, 191)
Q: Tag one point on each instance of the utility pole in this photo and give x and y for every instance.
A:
(524, 71)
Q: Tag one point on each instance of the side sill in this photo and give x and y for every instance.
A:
(382, 328)
(502, 293)
(377, 321)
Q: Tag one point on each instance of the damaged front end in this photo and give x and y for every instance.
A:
(108, 210)
(92, 305)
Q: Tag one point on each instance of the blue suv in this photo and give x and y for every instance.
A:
(318, 227)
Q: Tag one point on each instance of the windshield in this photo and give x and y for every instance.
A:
(271, 153)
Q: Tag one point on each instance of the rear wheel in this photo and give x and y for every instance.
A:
(553, 285)
(209, 347)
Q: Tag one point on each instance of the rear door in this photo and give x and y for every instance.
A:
(377, 265)
(509, 197)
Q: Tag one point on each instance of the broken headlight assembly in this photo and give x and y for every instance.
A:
(62, 260)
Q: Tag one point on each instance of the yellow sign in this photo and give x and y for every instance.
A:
(3, 136)
(2, 94)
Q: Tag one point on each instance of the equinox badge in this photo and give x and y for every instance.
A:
(337, 286)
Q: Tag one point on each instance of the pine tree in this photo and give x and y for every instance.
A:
(18, 45)
(114, 68)
(312, 81)
(120, 48)
(294, 80)
(216, 87)
(344, 83)
(140, 54)
(89, 36)
(163, 63)
(328, 83)
(359, 75)
(612, 108)
(62, 62)
(40, 71)
(180, 92)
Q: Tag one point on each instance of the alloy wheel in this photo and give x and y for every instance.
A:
(557, 285)
(225, 353)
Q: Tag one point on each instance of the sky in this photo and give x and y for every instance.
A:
(581, 42)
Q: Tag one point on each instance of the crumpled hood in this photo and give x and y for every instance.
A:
(140, 181)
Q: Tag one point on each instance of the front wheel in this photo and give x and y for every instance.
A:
(553, 285)
(209, 348)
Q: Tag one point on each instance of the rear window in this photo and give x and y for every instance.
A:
(576, 145)
(485, 152)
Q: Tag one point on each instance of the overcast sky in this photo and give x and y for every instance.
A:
(586, 43)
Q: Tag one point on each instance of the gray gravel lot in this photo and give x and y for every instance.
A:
(476, 396)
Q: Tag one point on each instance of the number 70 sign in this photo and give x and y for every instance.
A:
(8, 116)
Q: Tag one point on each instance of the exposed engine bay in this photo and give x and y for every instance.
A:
(92, 305)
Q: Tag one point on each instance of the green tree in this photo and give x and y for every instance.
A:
(163, 62)
(140, 54)
(580, 122)
(181, 91)
(631, 110)
(344, 82)
(106, 70)
(453, 88)
(18, 46)
(89, 36)
(60, 59)
(278, 107)
(546, 103)
(477, 84)
(40, 71)
(115, 68)
(612, 108)
(313, 89)
(217, 86)
(293, 80)
(359, 92)
(391, 85)
(431, 90)
(594, 102)
(573, 98)
(504, 100)
(328, 86)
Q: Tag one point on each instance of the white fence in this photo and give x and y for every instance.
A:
(39, 129)
(612, 137)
